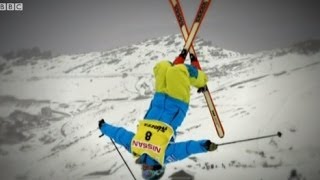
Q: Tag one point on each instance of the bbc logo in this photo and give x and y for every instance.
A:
(11, 6)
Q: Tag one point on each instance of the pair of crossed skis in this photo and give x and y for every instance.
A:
(189, 37)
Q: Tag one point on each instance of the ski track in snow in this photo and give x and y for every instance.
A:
(49, 112)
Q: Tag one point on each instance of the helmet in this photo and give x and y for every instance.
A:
(152, 172)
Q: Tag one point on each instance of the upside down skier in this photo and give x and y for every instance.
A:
(154, 143)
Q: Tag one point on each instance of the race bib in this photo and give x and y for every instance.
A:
(152, 138)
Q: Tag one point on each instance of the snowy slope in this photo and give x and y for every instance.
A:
(49, 111)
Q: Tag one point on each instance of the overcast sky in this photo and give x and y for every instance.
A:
(77, 26)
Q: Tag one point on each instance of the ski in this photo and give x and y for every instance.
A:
(203, 7)
(189, 37)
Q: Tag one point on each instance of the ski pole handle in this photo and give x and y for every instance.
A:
(279, 134)
(101, 135)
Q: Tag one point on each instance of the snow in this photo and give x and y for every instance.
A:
(49, 111)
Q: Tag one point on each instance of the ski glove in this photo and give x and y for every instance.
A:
(101, 122)
(210, 146)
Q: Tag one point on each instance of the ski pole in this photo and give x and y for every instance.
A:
(279, 134)
(125, 162)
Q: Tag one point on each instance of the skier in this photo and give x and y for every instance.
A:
(153, 144)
